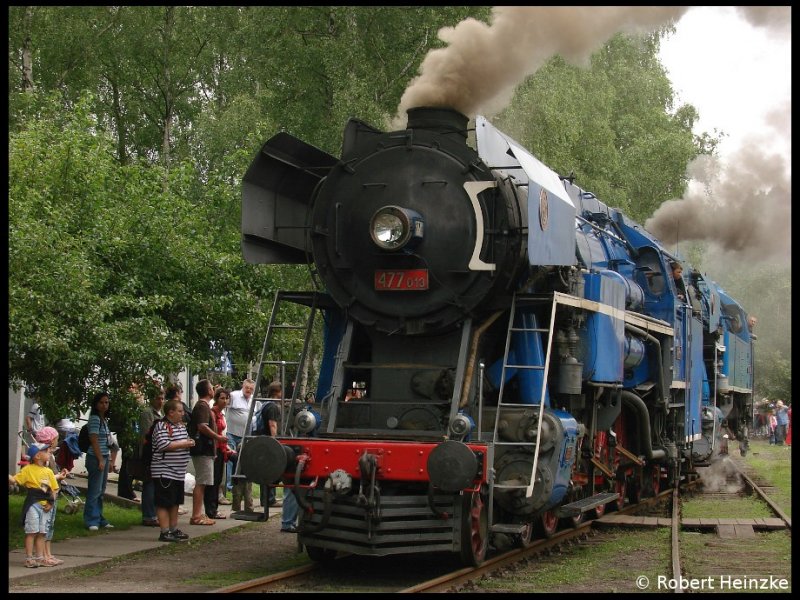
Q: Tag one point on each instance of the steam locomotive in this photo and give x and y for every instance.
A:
(526, 358)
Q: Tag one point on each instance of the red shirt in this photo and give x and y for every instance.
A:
(222, 447)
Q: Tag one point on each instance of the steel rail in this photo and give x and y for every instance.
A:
(764, 496)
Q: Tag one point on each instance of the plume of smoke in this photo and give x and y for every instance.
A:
(775, 18)
(721, 476)
(742, 208)
(482, 64)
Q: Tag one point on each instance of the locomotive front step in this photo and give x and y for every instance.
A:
(512, 528)
(573, 509)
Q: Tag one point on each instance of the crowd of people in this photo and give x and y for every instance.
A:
(208, 435)
(773, 420)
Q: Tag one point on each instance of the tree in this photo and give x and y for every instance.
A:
(765, 292)
(110, 275)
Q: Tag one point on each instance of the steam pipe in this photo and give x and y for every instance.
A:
(473, 353)
(306, 506)
(641, 333)
(643, 416)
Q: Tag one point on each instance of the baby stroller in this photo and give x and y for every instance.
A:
(68, 452)
(72, 495)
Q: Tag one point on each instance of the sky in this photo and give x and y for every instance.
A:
(733, 64)
(733, 72)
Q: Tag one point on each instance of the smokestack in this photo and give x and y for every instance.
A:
(441, 120)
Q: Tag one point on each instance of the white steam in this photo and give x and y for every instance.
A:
(742, 207)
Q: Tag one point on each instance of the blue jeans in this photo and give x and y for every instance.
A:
(36, 520)
(51, 524)
(271, 497)
(289, 512)
(96, 487)
(149, 500)
(233, 442)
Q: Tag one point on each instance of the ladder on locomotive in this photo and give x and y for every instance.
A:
(311, 300)
(519, 303)
(270, 356)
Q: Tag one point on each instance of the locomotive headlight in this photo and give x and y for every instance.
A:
(392, 227)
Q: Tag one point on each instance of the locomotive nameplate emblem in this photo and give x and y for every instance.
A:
(399, 280)
(544, 209)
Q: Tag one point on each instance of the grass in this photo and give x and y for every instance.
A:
(228, 576)
(705, 555)
(71, 526)
(774, 465)
(701, 506)
(579, 567)
(67, 526)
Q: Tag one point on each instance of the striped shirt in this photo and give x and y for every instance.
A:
(98, 427)
(170, 464)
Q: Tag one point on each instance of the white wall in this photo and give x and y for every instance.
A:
(17, 408)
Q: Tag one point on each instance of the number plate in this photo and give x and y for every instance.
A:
(401, 280)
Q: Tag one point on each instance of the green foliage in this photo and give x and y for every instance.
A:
(765, 291)
(68, 526)
(113, 275)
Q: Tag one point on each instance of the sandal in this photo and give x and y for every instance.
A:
(50, 561)
(204, 520)
(31, 562)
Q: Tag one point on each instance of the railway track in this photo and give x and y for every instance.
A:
(736, 530)
(442, 577)
(446, 579)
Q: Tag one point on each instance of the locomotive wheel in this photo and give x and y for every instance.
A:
(654, 474)
(547, 524)
(621, 487)
(523, 540)
(474, 530)
(318, 554)
(635, 488)
(574, 521)
(578, 519)
(599, 511)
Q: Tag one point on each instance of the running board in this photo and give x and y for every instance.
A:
(573, 509)
(512, 528)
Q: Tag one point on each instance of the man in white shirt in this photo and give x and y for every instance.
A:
(236, 419)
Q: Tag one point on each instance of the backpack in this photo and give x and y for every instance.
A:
(260, 428)
(83, 439)
(261, 417)
(147, 446)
